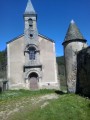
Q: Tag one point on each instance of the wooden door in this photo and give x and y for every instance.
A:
(33, 83)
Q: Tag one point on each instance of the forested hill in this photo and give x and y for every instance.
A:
(60, 60)
(61, 71)
(61, 66)
(3, 63)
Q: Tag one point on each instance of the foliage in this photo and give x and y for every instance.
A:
(3, 63)
(60, 60)
(61, 72)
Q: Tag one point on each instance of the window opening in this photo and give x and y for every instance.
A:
(30, 23)
(31, 35)
(32, 53)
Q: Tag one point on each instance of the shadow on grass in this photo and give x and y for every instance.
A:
(60, 92)
(89, 105)
(86, 96)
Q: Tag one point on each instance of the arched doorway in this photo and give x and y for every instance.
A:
(33, 77)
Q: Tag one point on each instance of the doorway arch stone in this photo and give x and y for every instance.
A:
(34, 79)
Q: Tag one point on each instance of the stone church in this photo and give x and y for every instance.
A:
(31, 59)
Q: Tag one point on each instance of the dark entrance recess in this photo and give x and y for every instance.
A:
(33, 81)
(4, 85)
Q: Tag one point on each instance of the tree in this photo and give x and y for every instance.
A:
(3, 63)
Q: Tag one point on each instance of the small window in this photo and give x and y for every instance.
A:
(31, 35)
(31, 25)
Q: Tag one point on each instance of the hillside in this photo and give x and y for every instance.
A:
(60, 60)
(61, 72)
(3, 63)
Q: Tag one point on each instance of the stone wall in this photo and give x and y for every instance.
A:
(16, 62)
(70, 53)
(83, 72)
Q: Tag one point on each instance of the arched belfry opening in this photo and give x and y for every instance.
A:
(34, 79)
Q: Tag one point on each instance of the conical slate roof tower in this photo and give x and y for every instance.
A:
(73, 33)
(73, 43)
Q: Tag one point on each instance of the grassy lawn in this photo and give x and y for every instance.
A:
(43, 105)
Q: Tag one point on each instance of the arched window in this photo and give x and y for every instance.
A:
(30, 23)
(32, 53)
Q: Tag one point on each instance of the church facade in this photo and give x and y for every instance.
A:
(31, 59)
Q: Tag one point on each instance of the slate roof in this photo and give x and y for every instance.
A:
(29, 8)
(73, 32)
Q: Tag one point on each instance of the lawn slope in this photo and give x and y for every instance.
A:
(43, 105)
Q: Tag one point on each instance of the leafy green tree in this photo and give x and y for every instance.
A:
(3, 63)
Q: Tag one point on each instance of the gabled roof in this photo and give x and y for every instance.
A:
(73, 32)
(14, 39)
(29, 8)
(43, 36)
(23, 36)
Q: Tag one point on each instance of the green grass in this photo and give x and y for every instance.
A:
(17, 94)
(66, 107)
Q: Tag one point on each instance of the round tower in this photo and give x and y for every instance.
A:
(73, 43)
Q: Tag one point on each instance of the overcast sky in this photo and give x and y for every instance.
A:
(53, 20)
